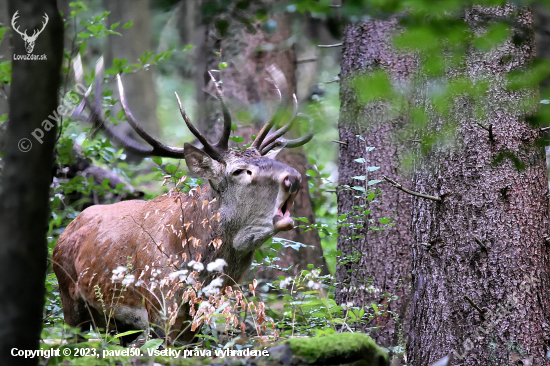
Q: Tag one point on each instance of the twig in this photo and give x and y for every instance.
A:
(304, 60)
(481, 311)
(480, 243)
(335, 80)
(545, 129)
(340, 142)
(330, 45)
(400, 187)
(488, 129)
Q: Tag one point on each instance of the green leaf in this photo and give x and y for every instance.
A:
(157, 160)
(114, 25)
(384, 220)
(222, 65)
(312, 173)
(171, 168)
(128, 333)
(360, 160)
(237, 139)
(128, 25)
(372, 182)
(153, 343)
(360, 177)
(360, 189)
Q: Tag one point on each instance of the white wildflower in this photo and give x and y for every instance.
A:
(284, 283)
(118, 273)
(217, 265)
(197, 266)
(128, 280)
(347, 306)
(314, 285)
(181, 274)
(213, 287)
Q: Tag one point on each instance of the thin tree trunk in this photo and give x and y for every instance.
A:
(134, 42)
(248, 55)
(384, 255)
(479, 255)
(26, 178)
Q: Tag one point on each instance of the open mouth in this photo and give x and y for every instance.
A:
(282, 220)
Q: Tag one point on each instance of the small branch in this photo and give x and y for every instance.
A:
(340, 142)
(480, 243)
(415, 140)
(488, 129)
(330, 45)
(400, 187)
(545, 129)
(304, 60)
(481, 311)
(335, 80)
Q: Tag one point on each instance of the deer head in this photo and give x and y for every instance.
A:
(247, 201)
(29, 40)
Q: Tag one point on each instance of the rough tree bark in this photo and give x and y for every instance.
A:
(26, 177)
(480, 258)
(385, 254)
(248, 51)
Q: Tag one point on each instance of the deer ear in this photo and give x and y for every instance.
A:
(201, 164)
(273, 155)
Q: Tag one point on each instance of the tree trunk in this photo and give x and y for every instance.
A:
(245, 88)
(384, 255)
(134, 42)
(480, 259)
(26, 178)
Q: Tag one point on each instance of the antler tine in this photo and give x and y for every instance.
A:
(99, 73)
(13, 19)
(207, 148)
(281, 131)
(265, 129)
(158, 147)
(284, 143)
(223, 142)
(96, 117)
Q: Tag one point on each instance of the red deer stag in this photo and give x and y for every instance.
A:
(246, 202)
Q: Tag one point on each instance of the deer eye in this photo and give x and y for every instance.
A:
(238, 172)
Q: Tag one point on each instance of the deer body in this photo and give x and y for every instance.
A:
(246, 202)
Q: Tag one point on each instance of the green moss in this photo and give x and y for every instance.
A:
(338, 348)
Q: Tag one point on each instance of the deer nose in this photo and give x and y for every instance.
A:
(291, 182)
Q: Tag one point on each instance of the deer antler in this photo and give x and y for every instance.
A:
(36, 33)
(264, 142)
(13, 19)
(96, 117)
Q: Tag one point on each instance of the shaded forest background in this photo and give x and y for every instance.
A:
(423, 207)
